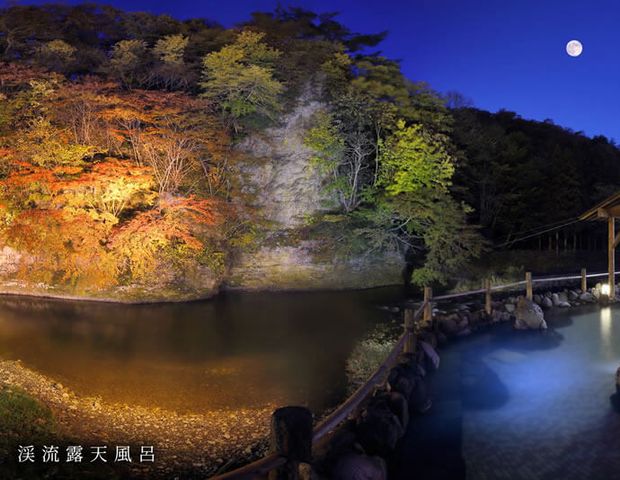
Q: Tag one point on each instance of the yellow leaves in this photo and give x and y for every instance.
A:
(62, 247)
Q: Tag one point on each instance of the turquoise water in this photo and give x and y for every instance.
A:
(523, 405)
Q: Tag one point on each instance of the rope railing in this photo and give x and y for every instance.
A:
(260, 468)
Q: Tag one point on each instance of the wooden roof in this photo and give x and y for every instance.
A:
(610, 207)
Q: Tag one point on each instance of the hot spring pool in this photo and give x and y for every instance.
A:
(523, 405)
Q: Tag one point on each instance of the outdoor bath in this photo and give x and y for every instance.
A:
(527, 404)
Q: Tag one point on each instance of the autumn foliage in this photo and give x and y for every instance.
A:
(100, 187)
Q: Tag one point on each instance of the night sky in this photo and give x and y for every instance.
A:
(500, 54)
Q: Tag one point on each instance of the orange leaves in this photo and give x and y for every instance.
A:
(199, 210)
(110, 186)
(178, 231)
(92, 181)
(61, 247)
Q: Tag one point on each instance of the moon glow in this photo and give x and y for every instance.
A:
(574, 48)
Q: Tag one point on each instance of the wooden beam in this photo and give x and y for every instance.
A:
(529, 290)
(611, 256)
(584, 281)
(617, 240)
(428, 309)
(609, 212)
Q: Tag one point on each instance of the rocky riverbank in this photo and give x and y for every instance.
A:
(461, 319)
(187, 446)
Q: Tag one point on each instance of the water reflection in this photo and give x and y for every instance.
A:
(606, 336)
(241, 350)
(524, 404)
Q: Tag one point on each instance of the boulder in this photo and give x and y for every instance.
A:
(428, 337)
(449, 325)
(529, 316)
(546, 302)
(378, 429)
(477, 317)
(572, 295)
(555, 299)
(430, 354)
(400, 407)
(564, 305)
(355, 466)
(587, 297)
(537, 299)
(403, 378)
(510, 307)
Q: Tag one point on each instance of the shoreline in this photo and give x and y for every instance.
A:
(191, 444)
(180, 298)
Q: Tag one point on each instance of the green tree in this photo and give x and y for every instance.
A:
(170, 72)
(414, 180)
(128, 62)
(413, 159)
(239, 78)
(56, 55)
(170, 49)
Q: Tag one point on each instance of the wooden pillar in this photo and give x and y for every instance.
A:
(611, 256)
(529, 293)
(428, 309)
(291, 437)
(565, 235)
(584, 280)
(487, 296)
(409, 326)
(574, 241)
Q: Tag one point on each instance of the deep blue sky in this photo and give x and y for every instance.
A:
(499, 53)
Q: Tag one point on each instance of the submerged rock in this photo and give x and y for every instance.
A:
(356, 466)
(529, 316)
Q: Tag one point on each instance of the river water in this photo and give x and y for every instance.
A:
(523, 405)
(235, 351)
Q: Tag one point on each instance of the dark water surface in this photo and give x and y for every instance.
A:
(235, 351)
(523, 405)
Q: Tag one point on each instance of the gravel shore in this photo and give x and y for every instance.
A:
(187, 446)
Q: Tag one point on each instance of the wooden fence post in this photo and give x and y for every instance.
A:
(409, 326)
(584, 281)
(487, 296)
(428, 309)
(291, 437)
(528, 286)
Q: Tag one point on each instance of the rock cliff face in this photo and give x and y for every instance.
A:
(277, 176)
(278, 182)
(281, 182)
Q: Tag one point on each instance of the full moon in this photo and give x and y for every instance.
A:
(574, 48)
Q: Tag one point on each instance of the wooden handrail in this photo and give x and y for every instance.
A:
(261, 467)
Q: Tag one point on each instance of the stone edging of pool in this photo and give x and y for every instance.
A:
(363, 444)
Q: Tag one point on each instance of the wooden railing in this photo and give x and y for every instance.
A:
(260, 468)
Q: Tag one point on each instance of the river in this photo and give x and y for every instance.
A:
(239, 350)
